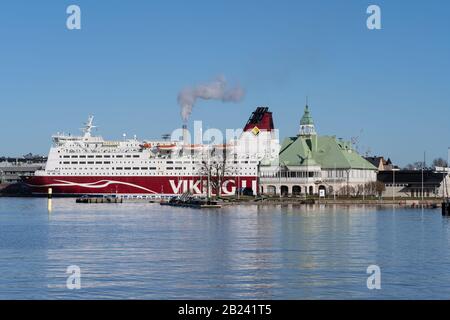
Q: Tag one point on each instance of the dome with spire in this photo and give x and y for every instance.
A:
(307, 118)
(307, 123)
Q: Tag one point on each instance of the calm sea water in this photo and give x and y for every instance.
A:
(145, 251)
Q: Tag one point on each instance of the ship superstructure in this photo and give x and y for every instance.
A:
(89, 164)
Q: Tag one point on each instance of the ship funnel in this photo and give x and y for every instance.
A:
(260, 118)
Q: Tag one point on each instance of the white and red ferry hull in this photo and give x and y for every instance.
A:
(133, 185)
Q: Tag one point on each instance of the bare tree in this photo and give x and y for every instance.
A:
(379, 188)
(369, 189)
(415, 166)
(347, 191)
(217, 169)
(439, 162)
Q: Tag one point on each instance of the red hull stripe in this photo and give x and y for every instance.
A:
(133, 185)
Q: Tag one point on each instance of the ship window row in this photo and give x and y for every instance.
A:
(145, 162)
(100, 162)
(136, 156)
(111, 168)
(84, 162)
(122, 172)
(121, 162)
(117, 173)
(99, 156)
(117, 161)
(117, 168)
(120, 168)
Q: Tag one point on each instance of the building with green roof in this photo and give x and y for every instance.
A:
(313, 164)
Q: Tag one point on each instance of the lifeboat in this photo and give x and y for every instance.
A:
(223, 146)
(146, 145)
(166, 146)
(192, 146)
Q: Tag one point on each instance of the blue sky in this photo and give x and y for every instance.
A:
(127, 64)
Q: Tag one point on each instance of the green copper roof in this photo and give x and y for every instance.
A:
(306, 119)
(326, 151)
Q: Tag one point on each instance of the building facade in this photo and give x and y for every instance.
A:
(415, 183)
(13, 173)
(310, 164)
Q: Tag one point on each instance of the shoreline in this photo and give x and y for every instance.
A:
(410, 203)
(406, 203)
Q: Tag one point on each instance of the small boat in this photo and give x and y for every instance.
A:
(223, 146)
(146, 145)
(192, 146)
(166, 146)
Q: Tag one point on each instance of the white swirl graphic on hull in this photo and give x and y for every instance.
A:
(90, 185)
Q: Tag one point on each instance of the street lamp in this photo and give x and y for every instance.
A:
(423, 168)
(447, 173)
(393, 183)
(335, 177)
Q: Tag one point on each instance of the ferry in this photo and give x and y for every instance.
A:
(90, 165)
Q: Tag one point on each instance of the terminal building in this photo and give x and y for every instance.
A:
(429, 183)
(310, 164)
(12, 170)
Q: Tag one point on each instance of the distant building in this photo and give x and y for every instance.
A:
(312, 164)
(445, 188)
(26, 159)
(408, 183)
(13, 169)
(12, 173)
(381, 163)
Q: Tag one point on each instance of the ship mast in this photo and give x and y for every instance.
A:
(88, 126)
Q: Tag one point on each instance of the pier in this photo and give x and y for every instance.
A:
(99, 200)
